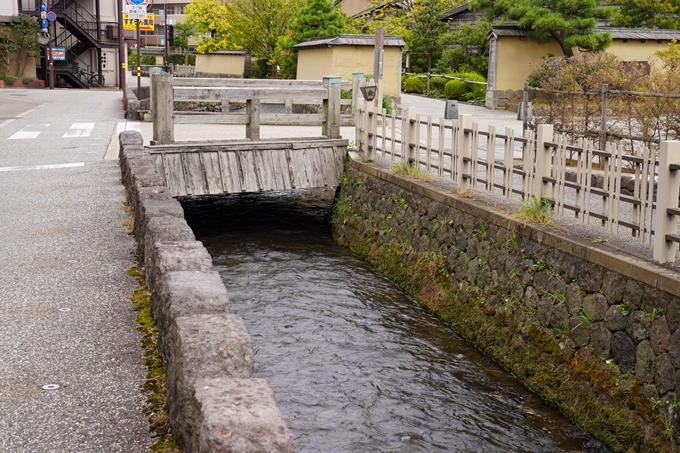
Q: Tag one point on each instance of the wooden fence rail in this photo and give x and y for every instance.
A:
(165, 90)
(589, 187)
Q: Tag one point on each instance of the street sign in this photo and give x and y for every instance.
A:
(138, 2)
(136, 12)
(51, 16)
(58, 54)
(144, 24)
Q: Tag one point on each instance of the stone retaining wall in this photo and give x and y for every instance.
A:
(593, 330)
(215, 404)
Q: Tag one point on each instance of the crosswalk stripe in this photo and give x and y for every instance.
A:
(42, 167)
(79, 130)
(31, 131)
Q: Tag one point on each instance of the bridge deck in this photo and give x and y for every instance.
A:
(245, 166)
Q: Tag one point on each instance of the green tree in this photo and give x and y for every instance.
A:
(26, 44)
(6, 45)
(571, 23)
(258, 25)
(316, 18)
(209, 19)
(183, 31)
(466, 49)
(427, 28)
(647, 13)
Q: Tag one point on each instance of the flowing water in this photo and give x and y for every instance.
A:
(355, 363)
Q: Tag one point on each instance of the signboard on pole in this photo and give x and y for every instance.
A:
(144, 24)
(57, 54)
(136, 12)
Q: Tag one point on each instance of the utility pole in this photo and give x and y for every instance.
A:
(50, 55)
(165, 28)
(122, 74)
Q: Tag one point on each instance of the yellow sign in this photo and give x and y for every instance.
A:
(144, 24)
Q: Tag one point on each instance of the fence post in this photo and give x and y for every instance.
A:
(603, 126)
(465, 153)
(357, 77)
(162, 109)
(370, 128)
(544, 133)
(253, 126)
(331, 125)
(359, 123)
(666, 198)
(409, 148)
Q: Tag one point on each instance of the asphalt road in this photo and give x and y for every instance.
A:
(65, 315)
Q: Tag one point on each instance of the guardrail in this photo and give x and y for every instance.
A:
(575, 178)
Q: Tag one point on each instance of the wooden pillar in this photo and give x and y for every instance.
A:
(162, 109)
(357, 77)
(331, 126)
(409, 148)
(253, 126)
(370, 131)
(544, 133)
(666, 198)
(465, 153)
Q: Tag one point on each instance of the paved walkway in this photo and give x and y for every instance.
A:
(65, 315)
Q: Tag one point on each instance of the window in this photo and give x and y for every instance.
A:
(180, 10)
(171, 9)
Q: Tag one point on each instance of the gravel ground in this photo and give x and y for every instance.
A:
(65, 315)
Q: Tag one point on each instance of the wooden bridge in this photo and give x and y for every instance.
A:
(251, 164)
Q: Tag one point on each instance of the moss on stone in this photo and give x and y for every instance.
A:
(580, 385)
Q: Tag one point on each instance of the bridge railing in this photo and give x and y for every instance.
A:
(165, 91)
(602, 188)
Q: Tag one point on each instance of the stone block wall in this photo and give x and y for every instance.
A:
(215, 404)
(593, 330)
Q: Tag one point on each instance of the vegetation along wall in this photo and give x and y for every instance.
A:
(591, 329)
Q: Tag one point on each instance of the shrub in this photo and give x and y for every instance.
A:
(455, 89)
(26, 80)
(414, 84)
(438, 83)
(9, 80)
(179, 58)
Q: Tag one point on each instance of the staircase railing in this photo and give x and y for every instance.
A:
(85, 19)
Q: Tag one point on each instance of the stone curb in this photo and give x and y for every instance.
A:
(214, 402)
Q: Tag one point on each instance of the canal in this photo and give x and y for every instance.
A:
(355, 363)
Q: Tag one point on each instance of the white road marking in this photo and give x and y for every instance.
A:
(43, 167)
(21, 115)
(128, 126)
(31, 131)
(79, 130)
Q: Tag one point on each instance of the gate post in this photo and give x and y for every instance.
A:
(162, 109)
(667, 199)
(357, 78)
(331, 126)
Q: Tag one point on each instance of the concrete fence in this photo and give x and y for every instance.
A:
(215, 403)
(550, 168)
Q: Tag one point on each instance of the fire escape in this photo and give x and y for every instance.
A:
(80, 31)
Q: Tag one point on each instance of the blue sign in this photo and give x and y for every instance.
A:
(138, 2)
(43, 7)
(51, 16)
(44, 23)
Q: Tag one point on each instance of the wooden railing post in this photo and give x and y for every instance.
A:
(463, 176)
(357, 77)
(667, 198)
(408, 148)
(162, 109)
(544, 133)
(331, 126)
(370, 128)
(253, 126)
(360, 123)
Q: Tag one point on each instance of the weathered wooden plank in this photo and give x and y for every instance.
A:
(213, 172)
(248, 171)
(313, 119)
(217, 93)
(231, 173)
(229, 82)
(281, 170)
(296, 159)
(313, 167)
(174, 174)
(265, 170)
(240, 144)
(211, 118)
(158, 162)
(329, 165)
(195, 176)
